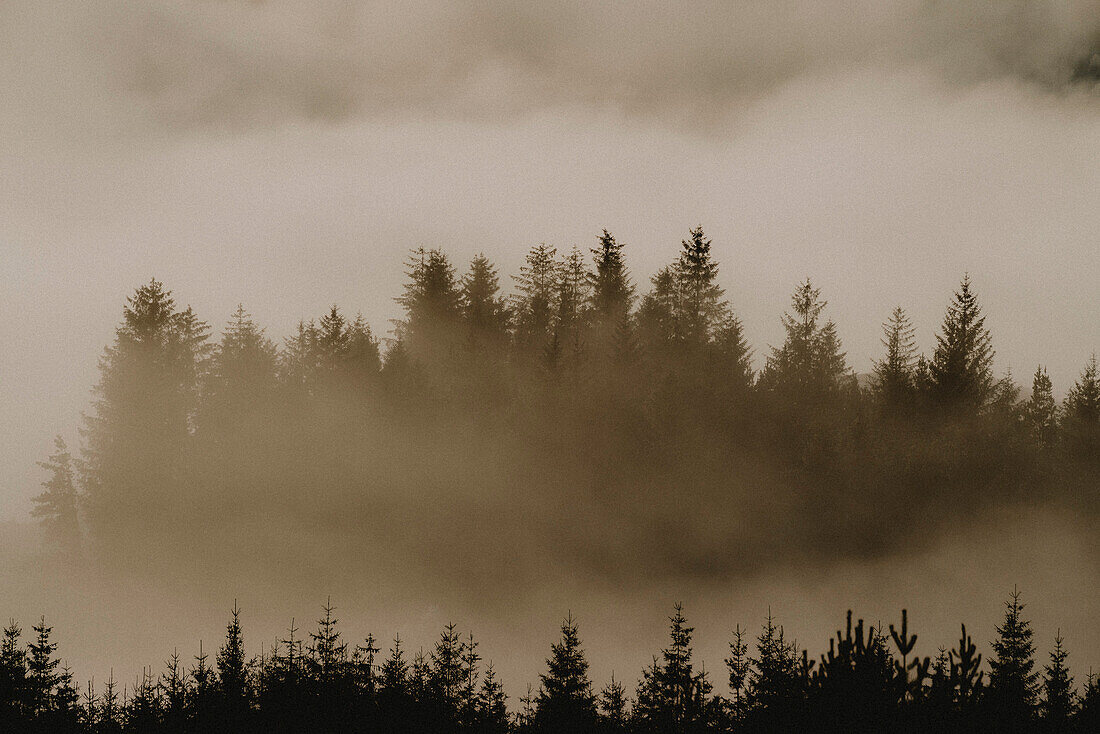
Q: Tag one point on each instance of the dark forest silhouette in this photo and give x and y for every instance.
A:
(869, 679)
(639, 415)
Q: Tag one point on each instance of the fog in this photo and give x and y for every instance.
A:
(288, 155)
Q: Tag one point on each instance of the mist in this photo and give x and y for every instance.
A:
(289, 155)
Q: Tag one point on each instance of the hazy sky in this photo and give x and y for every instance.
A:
(287, 155)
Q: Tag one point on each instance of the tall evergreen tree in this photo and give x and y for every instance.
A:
(1041, 412)
(701, 302)
(1081, 413)
(810, 364)
(1013, 680)
(960, 369)
(57, 504)
(432, 302)
(612, 293)
(894, 374)
(1058, 705)
(42, 669)
(565, 701)
(136, 442)
(536, 301)
(484, 311)
(674, 696)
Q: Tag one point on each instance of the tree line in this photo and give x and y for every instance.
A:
(869, 679)
(538, 394)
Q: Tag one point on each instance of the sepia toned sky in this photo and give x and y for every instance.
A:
(287, 154)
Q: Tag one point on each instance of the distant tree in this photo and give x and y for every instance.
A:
(1041, 412)
(446, 676)
(1058, 705)
(658, 315)
(1013, 680)
(173, 682)
(432, 302)
(242, 369)
(469, 702)
(701, 302)
(484, 312)
(137, 439)
(612, 293)
(142, 711)
(298, 360)
(894, 374)
(565, 701)
(535, 303)
(961, 371)
(809, 364)
(57, 505)
(109, 717)
(1081, 413)
(731, 356)
(571, 322)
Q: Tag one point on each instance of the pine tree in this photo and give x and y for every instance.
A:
(894, 374)
(1058, 702)
(110, 714)
(57, 504)
(432, 302)
(1081, 413)
(961, 371)
(492, 704)
(536, 301)
(675, 698)
(1041, 412)
(565, 701)
(484, 312)
(612, 290)
(810, 364)
(571, 322)
(242, 370)
(703, 307)
(774, 681)
(42, 676)
(613, 707)
(739, 666)
(145, 401)
(15, 686)
(232, 668)
(328, 652)
(173, 682)
(468, 706)
(1013, 681)
(447, 676)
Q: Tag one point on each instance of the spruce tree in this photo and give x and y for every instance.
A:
(810, 364)
(15, 684)
(1013, 680)
(701, 302)
(565, 701)
(42, 676)
(676, 697)
(612, 293)
(1081, 413)
(961, 372)
(57, 504)
(232, 666)
(535, 303)
(432, 302)
(1058, 705)
(894, 374)
(614, 716)
(492, 704)
(1041, 412)
(484, 312)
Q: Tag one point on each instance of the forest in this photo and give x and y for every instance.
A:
(869, 680)
(576, 423)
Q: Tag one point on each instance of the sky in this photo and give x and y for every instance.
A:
(287, 155)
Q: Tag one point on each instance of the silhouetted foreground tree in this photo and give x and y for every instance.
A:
(866, 681)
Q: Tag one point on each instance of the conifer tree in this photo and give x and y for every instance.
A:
(565, 701)
(613, 707)
(1081, 413)
(109, 717)
(960, 369)
(484, 312)
(773, 683)
(894, 374)
(173, 682)
(536, 301)
(145, 402)
(232, 669)
(1058, 695)
(703, 307)
(612, 290)
(446, 676)
(809, 364)
(242, 370)
(42, 675)
(1041, 412)
(432, 301)
(1013, 681)
(14, 677)
(493, 712)
(675, 697)
(739, 666)
(57, 504)
(571, 320)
